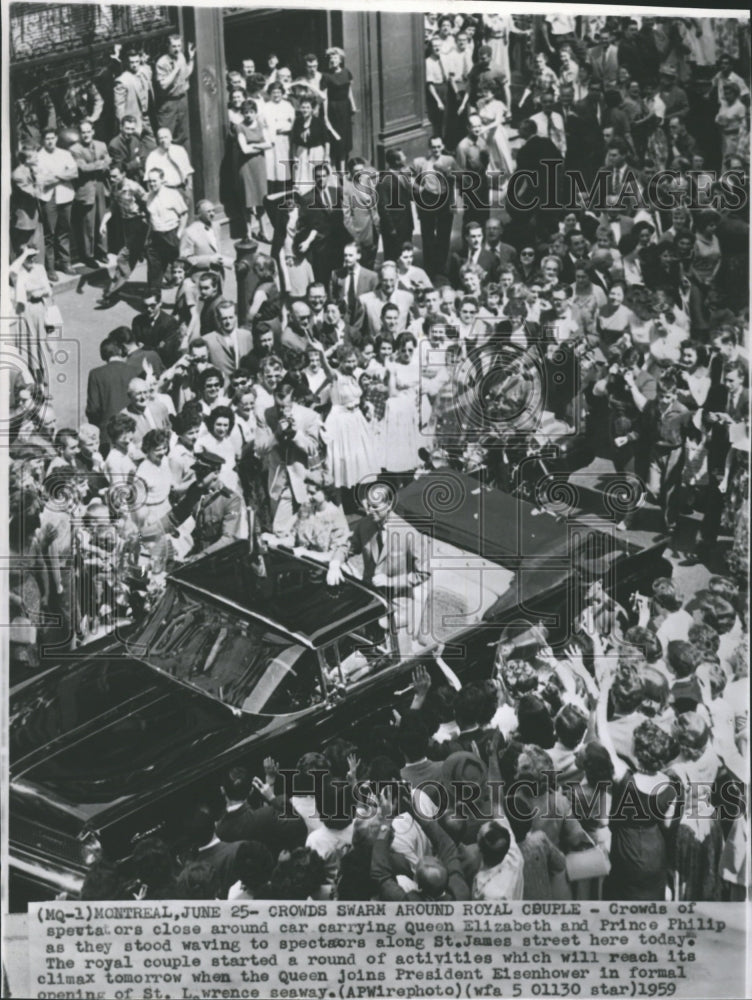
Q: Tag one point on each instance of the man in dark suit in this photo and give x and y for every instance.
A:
(107, 388)
(534, 184)
(348, 283)
(434, 195)
(157, 330)
(265, 824)
(591, 112)
(577, 156)
(505, 253)
(209, 297)
(140, 360)
(390, 551)
(473, 253)
(576, 255)
(322, 226)
(220, 855)
(727, 404)
(229, 343)
(395, 194)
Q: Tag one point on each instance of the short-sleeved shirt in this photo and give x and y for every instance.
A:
(173, 163)
(165, 208)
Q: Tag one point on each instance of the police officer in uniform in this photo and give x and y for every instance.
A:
(217, 512)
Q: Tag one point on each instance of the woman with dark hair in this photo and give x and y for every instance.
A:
(527, 267)
(309, 141)
(279, 117)
(402, 424)
(253, 863)
(535, 724)
(155, 477)
(197, 880)
(252, 144)
(587, 297)
(659, 264)
(320, 531)
(494, 114)
(336, 807)
(237, 98)
(299, 875)
(153, 869)
(187, 426)
(216, 438)
(209, 385)
(699, 839)
(551, 810)
(706, 259)
(591, 797)
(351, 449)
(615, 318)
(632, 248)
(643, 803)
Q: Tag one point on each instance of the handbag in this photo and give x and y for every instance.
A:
(587, 864)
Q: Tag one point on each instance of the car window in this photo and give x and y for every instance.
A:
(242, 663)
(358, 655)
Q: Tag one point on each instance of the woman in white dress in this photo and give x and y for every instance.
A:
(497, 32)
(278, 120)
(435, 375)
(217, 438)
(402, 425)
(32, 296)
(495, 114)
(351, 453)
(730, 119)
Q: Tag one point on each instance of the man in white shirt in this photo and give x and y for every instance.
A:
(167, 213)
(148, 416)
(55, 173)
(726, 75)
(550, 123)
(387, 291)
(173, 161)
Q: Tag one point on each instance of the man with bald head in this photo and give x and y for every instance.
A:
(437, 876)
(386, 291)
(199, 244)
(148, 415)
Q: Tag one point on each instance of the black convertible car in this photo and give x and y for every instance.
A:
(233, 665)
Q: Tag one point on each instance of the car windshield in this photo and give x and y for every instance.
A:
(242, 663)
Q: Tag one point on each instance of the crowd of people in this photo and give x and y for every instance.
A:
(366, 345)
(614, 770)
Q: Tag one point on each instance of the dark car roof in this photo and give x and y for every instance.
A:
(543, 549)
(107, 728)
(460, 510)
(292, 596)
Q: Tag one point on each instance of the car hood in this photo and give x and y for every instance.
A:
(86, 736)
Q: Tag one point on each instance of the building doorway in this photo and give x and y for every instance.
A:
(291, 34)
